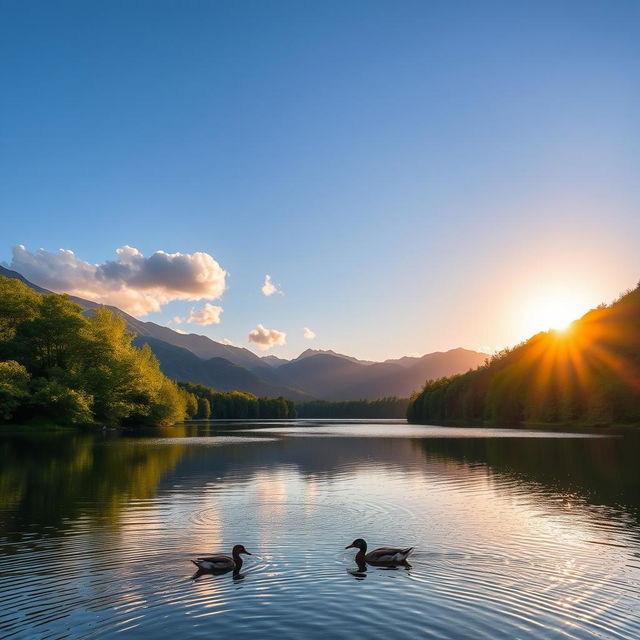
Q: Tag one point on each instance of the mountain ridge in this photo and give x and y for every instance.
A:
(314, 374)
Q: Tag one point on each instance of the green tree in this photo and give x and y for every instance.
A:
(54, 400)
(18, 304)
(204, 409)
(53, 337)
(76, 369)
(191, 402)
(14, 388)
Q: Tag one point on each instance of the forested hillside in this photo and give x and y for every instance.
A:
(589, 373)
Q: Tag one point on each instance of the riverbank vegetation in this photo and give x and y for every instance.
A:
(237, 404)
(587, 374)
(367, 409)
(58, 366)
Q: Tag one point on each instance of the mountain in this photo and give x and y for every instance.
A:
(201, 346)
(7, 273)
(315, 373)
(194, 358)
(182, 365)
(335, 377)
(273, 361)
(326, 374)
(308, 353)
(405, 361)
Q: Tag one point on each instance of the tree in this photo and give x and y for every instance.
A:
(75, 369)
(14, 388)
(191, 402)
(52, 399)
(204, 409)
(18, 304)
(53, 337)
(589, 374)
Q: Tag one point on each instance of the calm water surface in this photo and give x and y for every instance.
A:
(518, 534)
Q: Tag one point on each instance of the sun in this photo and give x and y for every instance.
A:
(553, 310)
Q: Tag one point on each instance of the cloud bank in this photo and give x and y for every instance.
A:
(269, 288)
(308, 334)
(265, 338)
(134, 283)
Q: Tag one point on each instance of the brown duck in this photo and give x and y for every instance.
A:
(385, 556)
(222, 562)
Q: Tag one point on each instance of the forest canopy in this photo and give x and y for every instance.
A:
(237, 404)
(374, 409)
(589, 374)
(60, 366)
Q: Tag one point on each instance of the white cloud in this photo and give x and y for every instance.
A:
(308, 334)
(228, 342)
(208, 314)
(184, 333)
(269, 288)
(265, 338)
(135, 284)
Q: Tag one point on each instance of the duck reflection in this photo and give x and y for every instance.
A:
(360, 573)
(235, 573)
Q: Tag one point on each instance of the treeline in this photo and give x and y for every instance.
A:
(221, 405)
(236, 404)
(384, 408)
(58, 366)
(588, 374)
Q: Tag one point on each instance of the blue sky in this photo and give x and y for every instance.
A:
(416, 176)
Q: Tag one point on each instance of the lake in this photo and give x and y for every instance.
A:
(518, 534)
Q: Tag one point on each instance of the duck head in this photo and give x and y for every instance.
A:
(358, 543)
(238, 549)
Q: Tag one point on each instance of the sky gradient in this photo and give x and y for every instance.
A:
(413, 176)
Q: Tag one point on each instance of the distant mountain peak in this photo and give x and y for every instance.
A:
(308, 353)
(274, 361)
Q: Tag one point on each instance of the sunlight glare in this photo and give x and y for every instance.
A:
(553, 310)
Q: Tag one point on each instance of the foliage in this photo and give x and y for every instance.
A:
(204, 409)
(14, 385)
(384, 408)
(18, 303)
(50, 398)
(238, 404)
(71, 369)
(588, 374)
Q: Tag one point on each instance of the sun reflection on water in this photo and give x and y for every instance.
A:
(501, 547)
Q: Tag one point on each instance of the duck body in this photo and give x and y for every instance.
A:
(220, 562)
(383, 556)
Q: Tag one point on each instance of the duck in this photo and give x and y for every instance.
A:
(221, 562)
(385, 556)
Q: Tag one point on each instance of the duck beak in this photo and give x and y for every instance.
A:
(351, 546)
(248, 552)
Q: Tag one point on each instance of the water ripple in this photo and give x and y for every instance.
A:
(497, 557)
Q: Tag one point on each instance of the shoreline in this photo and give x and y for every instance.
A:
(541, 426)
